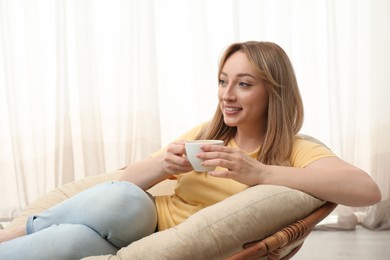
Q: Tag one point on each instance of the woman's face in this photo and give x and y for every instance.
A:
(242, 95)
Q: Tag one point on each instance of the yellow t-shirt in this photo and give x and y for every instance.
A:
(195, 191)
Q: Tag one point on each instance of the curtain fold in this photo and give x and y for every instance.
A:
(63, 146)
(78, 94)
(90, 86)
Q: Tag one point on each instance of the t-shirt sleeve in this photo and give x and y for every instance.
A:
(306, 151)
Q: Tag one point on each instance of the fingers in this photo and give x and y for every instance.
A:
(177, 148)
(217, 148)
(174, 160)
(224, 163)
(226, 157)
(217, 151)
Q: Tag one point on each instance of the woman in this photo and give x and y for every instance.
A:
(259, 116)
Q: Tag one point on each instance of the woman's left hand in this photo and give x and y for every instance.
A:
(239, 166)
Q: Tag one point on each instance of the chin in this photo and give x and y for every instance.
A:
(229, 123)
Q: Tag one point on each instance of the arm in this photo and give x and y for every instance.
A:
(145, 173)
(329, 178)
(152, 170)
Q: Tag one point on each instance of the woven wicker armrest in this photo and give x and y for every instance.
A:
(285, 243)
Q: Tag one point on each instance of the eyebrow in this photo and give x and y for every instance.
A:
(240, 75)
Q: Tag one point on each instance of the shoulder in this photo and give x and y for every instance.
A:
(307, 149)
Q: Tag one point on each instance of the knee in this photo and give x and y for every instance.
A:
(132, 213)
(123, 196)
(133, 202)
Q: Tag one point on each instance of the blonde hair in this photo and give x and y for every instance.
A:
(285, 108)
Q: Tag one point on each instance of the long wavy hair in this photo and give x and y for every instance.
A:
(285, 108)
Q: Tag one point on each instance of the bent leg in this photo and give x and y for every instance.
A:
(120, 212)
(67, 241)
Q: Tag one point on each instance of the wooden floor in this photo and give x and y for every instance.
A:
(360, 244)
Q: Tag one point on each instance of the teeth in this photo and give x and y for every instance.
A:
(232, 108)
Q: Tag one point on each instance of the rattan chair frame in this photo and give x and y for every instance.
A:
(285, 243)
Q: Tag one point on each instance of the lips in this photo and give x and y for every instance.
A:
(232, 110)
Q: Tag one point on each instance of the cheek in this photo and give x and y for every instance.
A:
(259, 103)
(220, 94)
(262, 97)
(263, 103)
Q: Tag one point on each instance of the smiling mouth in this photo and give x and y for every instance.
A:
(232, 110)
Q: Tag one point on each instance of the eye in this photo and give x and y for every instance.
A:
(243, 84)
(222, 83)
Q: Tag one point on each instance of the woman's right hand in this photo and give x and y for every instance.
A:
(152, 170)
(174, 160)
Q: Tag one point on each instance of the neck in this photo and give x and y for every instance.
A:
(249, 140)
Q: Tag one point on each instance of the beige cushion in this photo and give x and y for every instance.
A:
(212, 233)
(220, 230)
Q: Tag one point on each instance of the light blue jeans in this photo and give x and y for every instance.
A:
(97, 221)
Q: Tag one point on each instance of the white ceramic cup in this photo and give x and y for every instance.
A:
(193, 149)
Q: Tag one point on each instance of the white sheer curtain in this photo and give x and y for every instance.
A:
(89, 86)
(78, 89)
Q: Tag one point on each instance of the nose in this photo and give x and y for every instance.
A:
(228, 93)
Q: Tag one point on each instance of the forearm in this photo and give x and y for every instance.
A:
(12, 232)
(347, 186)
(145, 173)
